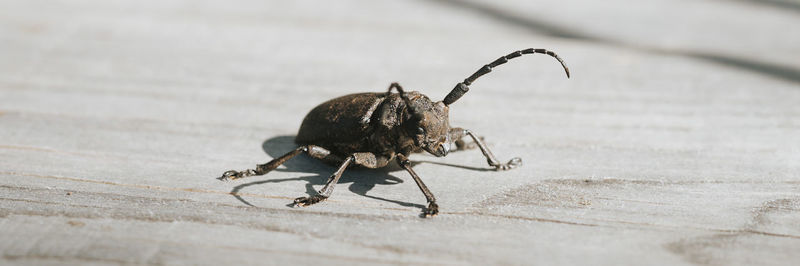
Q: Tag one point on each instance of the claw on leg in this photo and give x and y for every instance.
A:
(306, 201)
(262, 169)
(513, 163)
(432, 210)
(233, 175)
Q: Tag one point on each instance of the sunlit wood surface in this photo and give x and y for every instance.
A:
(677, 140)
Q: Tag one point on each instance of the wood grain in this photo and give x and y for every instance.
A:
(677, 141)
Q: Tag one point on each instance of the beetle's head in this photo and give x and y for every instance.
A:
(429, 125)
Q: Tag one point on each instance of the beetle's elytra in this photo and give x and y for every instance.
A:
(372, 129)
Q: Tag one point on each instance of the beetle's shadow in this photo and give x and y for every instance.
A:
(361, 180)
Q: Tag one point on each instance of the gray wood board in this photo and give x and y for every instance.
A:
(677, 141)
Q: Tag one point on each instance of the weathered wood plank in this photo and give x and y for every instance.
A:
(677, 141)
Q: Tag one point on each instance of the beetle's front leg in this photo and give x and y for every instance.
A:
(458, 133)
(433, 208)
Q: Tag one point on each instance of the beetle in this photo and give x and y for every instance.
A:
(373, 129)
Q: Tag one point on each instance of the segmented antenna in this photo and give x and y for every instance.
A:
(463, 87)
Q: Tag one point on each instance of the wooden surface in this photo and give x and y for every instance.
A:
(677, 141)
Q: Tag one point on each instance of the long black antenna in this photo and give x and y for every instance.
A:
(463, 87)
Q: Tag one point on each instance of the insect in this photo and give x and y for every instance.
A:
(373, 129)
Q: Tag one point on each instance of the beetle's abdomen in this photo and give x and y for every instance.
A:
(343, 120)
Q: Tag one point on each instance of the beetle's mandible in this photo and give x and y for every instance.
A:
(372, 129)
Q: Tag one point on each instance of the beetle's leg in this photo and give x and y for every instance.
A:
(365, 159)
(458, 133)
(457, 136)
(370, 160)
(433, 208)
(394, 85)
(326, 191)
(262, 169)
(403, 95)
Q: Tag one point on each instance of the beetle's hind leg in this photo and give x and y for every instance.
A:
(262, 169)
(459, 133)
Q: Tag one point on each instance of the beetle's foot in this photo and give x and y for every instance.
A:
(233, 175)
(513, 163)
(432, 210)
(306, 201)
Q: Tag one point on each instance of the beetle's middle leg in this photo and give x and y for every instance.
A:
(458, 133)
(326, 191)
(361, 158)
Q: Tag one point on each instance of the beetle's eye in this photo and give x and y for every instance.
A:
(420, 130)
